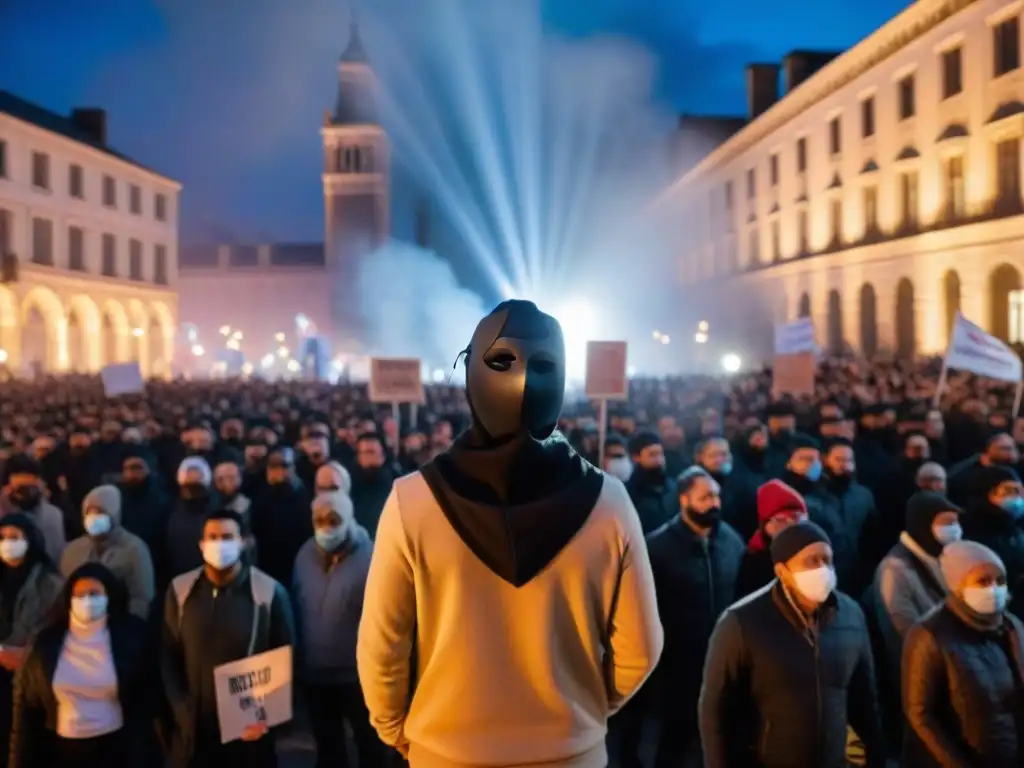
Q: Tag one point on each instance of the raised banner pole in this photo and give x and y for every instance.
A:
(602, 430)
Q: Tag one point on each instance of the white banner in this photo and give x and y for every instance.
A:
(257, 689)
(971, 349)
(795, 338)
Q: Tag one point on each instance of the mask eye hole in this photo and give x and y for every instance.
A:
(542, 366)
(502, 361)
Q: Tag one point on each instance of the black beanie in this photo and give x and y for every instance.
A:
(790, 541)
(641, 441)
(988, 477)
(922, 509)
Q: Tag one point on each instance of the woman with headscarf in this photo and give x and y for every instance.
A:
(29, 586)
(82, 698)
(963, 680)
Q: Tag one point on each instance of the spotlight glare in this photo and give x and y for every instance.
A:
(197, 350)
(731, 363)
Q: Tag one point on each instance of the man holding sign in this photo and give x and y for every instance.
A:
(215, 616)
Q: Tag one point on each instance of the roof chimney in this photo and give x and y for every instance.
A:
(798, 66)
(92, 122)
(762, 88)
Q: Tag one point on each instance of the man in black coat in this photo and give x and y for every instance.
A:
(696, 558)
(651, 490)
(789, 667)
(856, 506)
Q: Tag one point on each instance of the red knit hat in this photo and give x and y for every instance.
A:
(775, 498)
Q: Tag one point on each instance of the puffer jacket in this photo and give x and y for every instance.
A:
(963, 691)
(779, 693)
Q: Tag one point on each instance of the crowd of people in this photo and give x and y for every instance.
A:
(836, 576)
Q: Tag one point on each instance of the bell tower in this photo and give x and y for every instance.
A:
(356, 180)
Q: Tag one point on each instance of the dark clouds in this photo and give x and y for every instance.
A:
(229, 95)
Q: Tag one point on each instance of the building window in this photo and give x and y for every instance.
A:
(134, 260)
(109, 192)
(803, 229)
(751, 184)
(109, 256)
(160, 207)
(1006, 46)
(754, 256)
(835, 138)
(835, 221)
(801, 155)
(773, 170)
(952, 73)
(867, 117)
(5, 232)
(956, 203)
(908, 200)
(76, 249)
(41, 170)
(870, 210)
(42, 242)
(1008, 175)
(76, 183)
(3, 159)
(776, 241)
(135, 199)
(160, 265)
(1016, 329)
(906, 92)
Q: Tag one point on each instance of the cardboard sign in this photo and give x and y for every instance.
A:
(793, 374)
(122, 379)
(253, 690)
(796, 337)
(606, 370)
(396, 380)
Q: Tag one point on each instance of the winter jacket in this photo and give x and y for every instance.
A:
(695, 579)
(1002, 534)
(32, 606)
(963, 691)
(779, 692)
(655, 504)
(50, 521)
(328, 591)
(126, 555)
(34, 721)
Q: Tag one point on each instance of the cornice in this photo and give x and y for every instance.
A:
(917, 20)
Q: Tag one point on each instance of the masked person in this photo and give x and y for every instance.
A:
(145, 507)
(962, 670)
(778, 507)
(220, 612)
(29, 587)
(80, 472)
(999, 450)
(85, 694)
(328, 585)
(789, 667)
(651, 490)
(696, 560)
(185, 525)
(616, 458)
(24, 493)
(280, 519)
(333, 477)
(995, 518)
(855, 504)
(508, 523)
(372, 478)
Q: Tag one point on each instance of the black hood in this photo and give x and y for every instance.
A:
(515, 505)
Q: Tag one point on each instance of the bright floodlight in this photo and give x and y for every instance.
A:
(293, 366)
(197, 350)
(225, 330)
(731, 363)
(3, 356)
(247, 369)
(702, 326)
(576, 317)
(267, 361)
(137, 332)
(279, 338)
(283, 352)
(438, 376)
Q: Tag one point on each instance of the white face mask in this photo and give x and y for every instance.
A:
(97, 524)
(816, 585)
(89, 608)
(947, 534)
(222, 554)
(620, 467)
(987, 600)
(13, 550)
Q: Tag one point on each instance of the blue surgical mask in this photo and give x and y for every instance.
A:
(726, 468)
(814, 472)
(329, 539)
(1014, 507)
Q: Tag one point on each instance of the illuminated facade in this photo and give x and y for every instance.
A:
(879, 195)
(259, 290)
(88, 247)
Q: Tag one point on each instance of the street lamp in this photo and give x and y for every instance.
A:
(137, 332)
(282, 352)
(225, 330)
(701, 338)
(197, 350)
(731, 363)
(293, 366)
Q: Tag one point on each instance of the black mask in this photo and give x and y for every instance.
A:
(194, 491)
(515, 372)
(28, 497)
(840, 481)
(705, 520)
(78, 450)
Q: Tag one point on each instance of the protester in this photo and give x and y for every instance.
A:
(372, 479)
(84, 694)
(651, 490)
(23, 493)
(332, 477)
(778, 507)
(106, 541)
(962, 670)
(995, 512)
(186, 523)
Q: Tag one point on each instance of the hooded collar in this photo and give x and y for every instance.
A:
(929, 562)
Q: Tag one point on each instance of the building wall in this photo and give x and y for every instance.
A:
(949, 240)
(63, 313)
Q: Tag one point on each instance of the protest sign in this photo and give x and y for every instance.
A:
(795, 338)
(972, 349)
(793, 374)
(606, 371)
(396, 380)
(122, 379)
(253, 690)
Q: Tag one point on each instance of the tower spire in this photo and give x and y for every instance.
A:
(354, 53)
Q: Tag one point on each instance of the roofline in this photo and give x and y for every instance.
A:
(894, 35)
(90, 149)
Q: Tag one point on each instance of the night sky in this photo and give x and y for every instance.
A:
(228, 95)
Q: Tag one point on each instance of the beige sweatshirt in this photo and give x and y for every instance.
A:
(504, 676)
